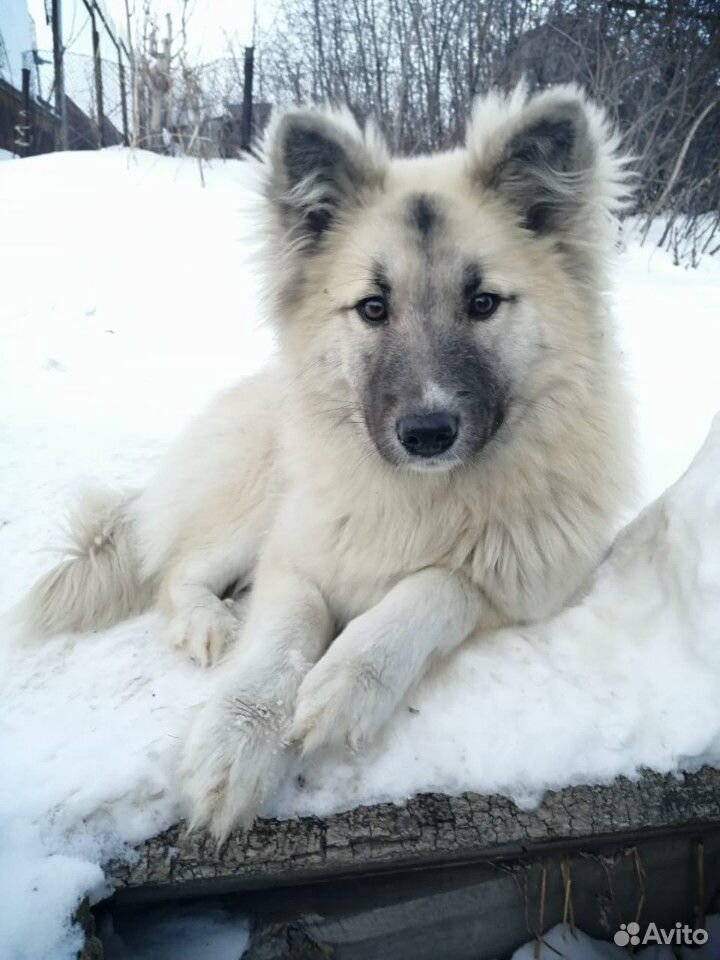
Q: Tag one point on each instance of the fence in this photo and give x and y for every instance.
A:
(202, 111)
(69, 100)
(95, 94)
(146, 93)
(212, 108)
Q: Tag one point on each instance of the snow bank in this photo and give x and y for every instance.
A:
(132, 302)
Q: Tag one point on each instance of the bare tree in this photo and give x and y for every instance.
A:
(415, 66)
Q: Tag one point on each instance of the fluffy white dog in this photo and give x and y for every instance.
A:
(441, 447)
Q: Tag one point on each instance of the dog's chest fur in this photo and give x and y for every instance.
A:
(359, 532)
(357, 555)
(527, 537)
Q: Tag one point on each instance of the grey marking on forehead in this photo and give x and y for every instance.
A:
(472, 279)
(423, 213)
(379, 277)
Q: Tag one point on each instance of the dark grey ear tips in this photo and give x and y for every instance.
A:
(549, 141)
(319, 163)
(306, 152)
(315, 169)
(544, 168)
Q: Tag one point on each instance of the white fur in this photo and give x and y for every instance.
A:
(278, 485)
(98, 581)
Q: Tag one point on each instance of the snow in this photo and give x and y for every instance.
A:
(132, 302)
(669, 331)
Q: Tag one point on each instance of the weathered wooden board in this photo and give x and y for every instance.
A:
(430, 830)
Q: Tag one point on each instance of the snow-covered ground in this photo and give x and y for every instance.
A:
(128, 299)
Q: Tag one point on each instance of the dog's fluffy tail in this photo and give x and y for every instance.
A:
(99, 580)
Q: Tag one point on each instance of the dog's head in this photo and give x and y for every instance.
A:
(434, 299)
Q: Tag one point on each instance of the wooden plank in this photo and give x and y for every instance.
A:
(430, 830)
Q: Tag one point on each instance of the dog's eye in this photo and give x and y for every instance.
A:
(373, 310)
(483, 305)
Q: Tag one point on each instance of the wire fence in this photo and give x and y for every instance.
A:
(201, 110)
(95, 101)
(68, 99)
(148, 94)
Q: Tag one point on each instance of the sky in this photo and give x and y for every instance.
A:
(15, 34)
(211, 24)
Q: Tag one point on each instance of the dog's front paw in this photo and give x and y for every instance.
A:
(205, 630)
(234, 758)
(342, 701)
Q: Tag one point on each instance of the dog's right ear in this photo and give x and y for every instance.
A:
(318, 164)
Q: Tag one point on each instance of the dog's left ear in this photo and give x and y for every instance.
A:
(551, 157)
(318, 164)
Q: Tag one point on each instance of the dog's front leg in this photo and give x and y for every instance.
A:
(238, 748)
(360, 681)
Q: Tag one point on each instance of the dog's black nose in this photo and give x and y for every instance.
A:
(427, 434)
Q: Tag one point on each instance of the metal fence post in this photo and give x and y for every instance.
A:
(246, 120)
(61, 135)
(121, 72)
(98, 74)
(123, 99)
(23, 128)
(132, 118)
